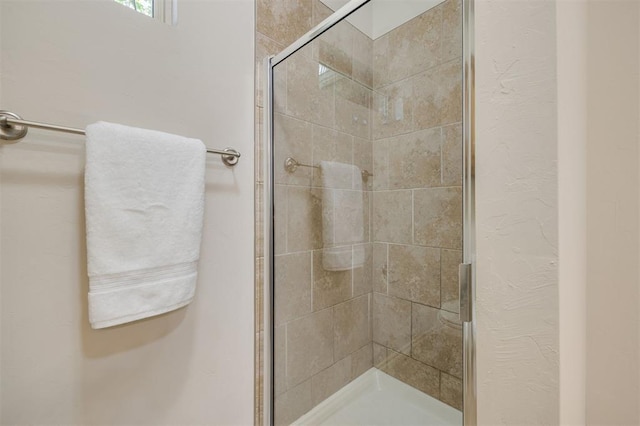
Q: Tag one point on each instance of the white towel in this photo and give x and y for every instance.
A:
(342, 216)
(144, 202)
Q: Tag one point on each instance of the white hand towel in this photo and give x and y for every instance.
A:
(144, 203)
(342, 216)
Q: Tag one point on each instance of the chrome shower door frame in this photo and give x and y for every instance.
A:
(469, 328)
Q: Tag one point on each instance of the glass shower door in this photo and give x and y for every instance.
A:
(367, 229)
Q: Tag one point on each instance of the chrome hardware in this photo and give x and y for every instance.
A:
(464, 283)
(291, 165)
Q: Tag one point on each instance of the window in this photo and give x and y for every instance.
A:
(164, 10)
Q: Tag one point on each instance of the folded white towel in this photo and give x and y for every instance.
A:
(144, 202)
(342, 216)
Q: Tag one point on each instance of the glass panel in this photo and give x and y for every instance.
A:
(368, 219)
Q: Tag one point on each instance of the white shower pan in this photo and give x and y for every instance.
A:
(377, 399)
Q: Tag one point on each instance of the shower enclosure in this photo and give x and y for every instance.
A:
(368, 215)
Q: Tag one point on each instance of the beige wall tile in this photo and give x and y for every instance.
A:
(361, 360)
(392, 323)
(362, 59)
(310, 96)
(334, 48)
(392, 215)
(438, 217)
(280, 359)
(282, 20)
(380, 154)
(450, 294)
(304, 219)
(451, 29)
(292, 286)
(413, 373)
(414, 273)
(264, 47)
(292, 138)
(328, 381)
(292, 404)
(451, 390)
(436, 341)
(363, 158)
(320, 12)
(280, 218)
(330, 145)
(362, 276)
(414, 160)
(380, 268)
(379, 355)
(393, 110)
(452, 155)
(437, 96)
(351, 326)
(329, 287)
(409, 49)
(309, 346)
(353, 108)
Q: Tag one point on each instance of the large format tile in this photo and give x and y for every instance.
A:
(280, 359)
(330, 145)
(310, 93)
(361, 360)
(414, 160)
(282, 20)
(437, 341)
(353, 108)
(292, 404)
(451, 390)
(413, 373)
(309, 346)
(393, 110)
(334, 48)
(450, 293)
(329, 287)
(362, 59)
(409, 49)
(292, 286)
(351, 326)
(392, 323)
(280, 218)
(452, 155)
(380, 268)
(451, 29)
(392, 215)
(437, 96)
(438, 217)
(304, 219)
(329, 381)
(414, 273)
(362, 276)
(292, 139)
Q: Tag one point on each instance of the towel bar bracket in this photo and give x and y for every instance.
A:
(11, 132)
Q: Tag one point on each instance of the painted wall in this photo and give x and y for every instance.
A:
(74, 63)
(613, 278)
(517, 213)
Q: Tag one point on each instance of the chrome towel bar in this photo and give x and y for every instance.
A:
(291, 165)
(14, 128)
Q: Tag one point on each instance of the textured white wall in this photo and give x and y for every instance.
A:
(75, 62)
(517, 209)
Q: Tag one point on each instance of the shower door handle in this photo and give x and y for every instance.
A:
(464, 283)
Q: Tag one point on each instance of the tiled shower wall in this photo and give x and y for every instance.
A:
(408, 133)
(417, 202)
(323, 318)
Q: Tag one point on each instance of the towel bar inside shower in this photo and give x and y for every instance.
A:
(291, 165)
(14, 128)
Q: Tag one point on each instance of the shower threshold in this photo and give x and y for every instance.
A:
(375, 398)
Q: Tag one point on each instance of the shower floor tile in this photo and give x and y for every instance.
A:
(377, 399)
